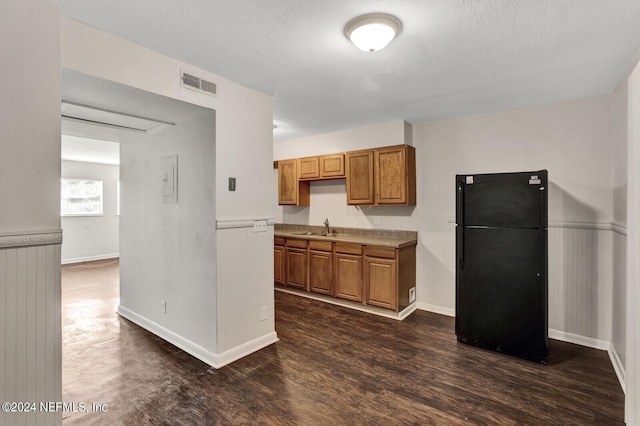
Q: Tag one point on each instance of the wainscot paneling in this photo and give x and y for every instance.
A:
(30, 329)
(580, 279)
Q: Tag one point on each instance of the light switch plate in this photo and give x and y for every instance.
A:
(232, 184)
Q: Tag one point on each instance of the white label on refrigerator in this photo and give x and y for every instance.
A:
(469, 180)
(535, 181)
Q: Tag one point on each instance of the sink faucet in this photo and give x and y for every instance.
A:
(326, 226)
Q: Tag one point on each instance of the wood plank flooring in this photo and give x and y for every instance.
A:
(332, 366)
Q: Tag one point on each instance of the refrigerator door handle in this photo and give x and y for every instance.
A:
(460, 220)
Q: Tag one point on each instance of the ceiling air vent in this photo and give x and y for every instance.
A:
(192, 82)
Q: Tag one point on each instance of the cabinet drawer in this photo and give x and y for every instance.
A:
(297, 243)
(278, 241)
(320, 245)
(385, 252)
(348, 248)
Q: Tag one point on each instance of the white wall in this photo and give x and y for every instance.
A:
(572, 140)
(619, 253)
(243, 149)
(632, 394)
(92, 237)
(168, 250)
(30, 336)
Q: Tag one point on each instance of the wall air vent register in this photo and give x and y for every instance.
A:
(198, 84)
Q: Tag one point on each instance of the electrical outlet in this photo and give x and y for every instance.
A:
(376, 220)
(412, 294)
(264, 313)
(259, 226)
(163, 306)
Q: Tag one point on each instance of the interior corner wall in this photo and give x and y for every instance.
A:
(572, 140)
(632, 388)
(92, 237)
(619, 252)
(168, 250)
(30, 236)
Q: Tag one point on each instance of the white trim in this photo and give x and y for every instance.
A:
(90, 258)
(195, 350)
(245, 349)
(617, 366)
(602, 226)
(186, 345)
(352, 305)
(242, 222)
(33, 238)
(589, 342)
(619, 228)
(450, 312)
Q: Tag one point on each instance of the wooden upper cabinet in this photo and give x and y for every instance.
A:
(323, 167)
(332, 166)
(395, 175)
(291, 191)
(360, 177)
(309, 168)
(381, 176)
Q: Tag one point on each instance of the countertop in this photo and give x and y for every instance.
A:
(372, 237)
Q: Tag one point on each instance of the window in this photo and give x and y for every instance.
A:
(81, 197)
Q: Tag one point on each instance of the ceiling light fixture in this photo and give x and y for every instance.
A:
(372, 32)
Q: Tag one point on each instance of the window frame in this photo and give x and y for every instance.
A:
(84, 214)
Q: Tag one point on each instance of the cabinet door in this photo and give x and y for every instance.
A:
(348, 276)
(320, 271)
(309, 168)
(391, 175)
(278, 264)
(381, 282)
(296, 264)
(291, 192)
(332, 166)
(360, 177)
(287, 182)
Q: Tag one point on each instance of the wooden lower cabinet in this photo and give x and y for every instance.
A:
(347, 277)
(296, 267)
(321, 272)
(373, 275)
(278, 264)
(381, 282)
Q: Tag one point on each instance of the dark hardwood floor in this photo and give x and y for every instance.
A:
(332, 366)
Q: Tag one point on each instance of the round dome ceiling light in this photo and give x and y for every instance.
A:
(372, 32)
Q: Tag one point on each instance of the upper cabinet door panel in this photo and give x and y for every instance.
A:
(332, 166)
(287, 182)
(309, 168)
(390, 175)
(360, 177)
(395, 172)
(291, 192)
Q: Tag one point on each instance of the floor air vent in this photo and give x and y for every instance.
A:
(192, 82)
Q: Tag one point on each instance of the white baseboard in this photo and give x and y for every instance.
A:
(618, 367)
(352, 305)
(589, 342)
(90, 258)
(234, 354)
(450, 312)
(195, 350)
(185, 344)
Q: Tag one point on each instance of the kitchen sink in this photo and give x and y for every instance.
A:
(319, 234)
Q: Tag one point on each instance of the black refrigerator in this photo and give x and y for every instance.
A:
(501, 263)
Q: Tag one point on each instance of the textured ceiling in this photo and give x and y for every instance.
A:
(451, 59)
